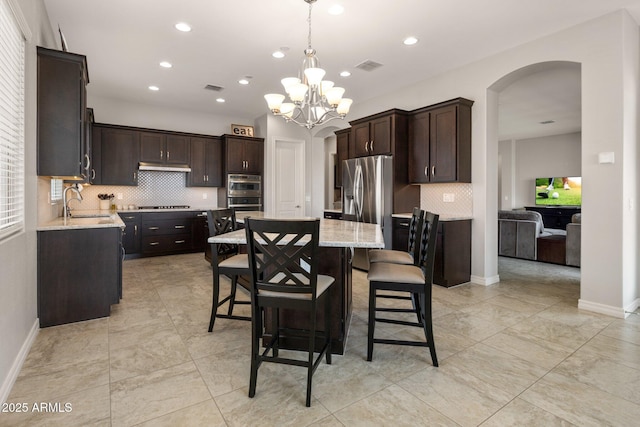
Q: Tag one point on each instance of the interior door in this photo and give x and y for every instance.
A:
(289, 179)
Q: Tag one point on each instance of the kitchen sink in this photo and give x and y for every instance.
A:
(92, 215)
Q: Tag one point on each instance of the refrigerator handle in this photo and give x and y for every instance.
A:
(357, 192)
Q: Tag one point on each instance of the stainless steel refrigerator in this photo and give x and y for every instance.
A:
(367, 196)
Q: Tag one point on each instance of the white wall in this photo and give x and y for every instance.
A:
(18, 323)
(525, 160)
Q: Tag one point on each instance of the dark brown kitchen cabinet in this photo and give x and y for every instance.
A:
(200, 232)
(377, 134)
(440, 142)
(244, 154)
(452, 265)
(132, 232)
(342, 152)
(62, 115)
(166, 233)
(116, 151)
(206, 163)
(79, 274)
(158, 147)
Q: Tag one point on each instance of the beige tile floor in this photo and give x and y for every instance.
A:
(512, 354)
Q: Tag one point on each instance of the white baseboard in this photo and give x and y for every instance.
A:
(11, 377)
(486, 281)
(596, 307)
(632, 307)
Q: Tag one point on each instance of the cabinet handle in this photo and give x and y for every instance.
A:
(154, 228)
(178, 226)
(161, 154)
(154, 243)
(202, 214)
(86, 157)
(366, 146)
(426, 171)
(129, 217)
(433, 170)
(371, 145)
(93, 174)
(168, 154)
(179, 241)
(403, 224)
(134, 176)
(135, 230)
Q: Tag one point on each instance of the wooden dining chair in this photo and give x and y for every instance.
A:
(409, 256)
(283, 260)
(414, 280)
(225, 260)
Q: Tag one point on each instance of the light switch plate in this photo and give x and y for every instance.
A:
(448, 197)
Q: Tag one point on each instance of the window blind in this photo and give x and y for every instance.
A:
(11, 123)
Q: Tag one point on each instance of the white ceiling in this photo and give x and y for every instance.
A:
(124, 41)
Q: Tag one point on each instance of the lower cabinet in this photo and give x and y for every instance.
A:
(131, 235)
(452, 265)
(79, 274)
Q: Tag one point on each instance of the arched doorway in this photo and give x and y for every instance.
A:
(534, 120)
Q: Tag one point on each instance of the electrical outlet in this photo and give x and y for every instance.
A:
(204, 196)
(119, 196)
(448, 197)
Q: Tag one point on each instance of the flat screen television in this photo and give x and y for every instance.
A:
(559, 191)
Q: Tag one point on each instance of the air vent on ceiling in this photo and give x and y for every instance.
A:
(214, 88)
(547, 122)
(368, 65)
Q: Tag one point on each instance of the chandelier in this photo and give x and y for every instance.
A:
(313, 101)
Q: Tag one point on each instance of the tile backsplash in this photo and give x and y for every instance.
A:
(432, 198)
(154, 189)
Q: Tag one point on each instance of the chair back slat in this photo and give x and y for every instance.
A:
(282, 254)
(428, 237)
(221, 221)
(415, 229)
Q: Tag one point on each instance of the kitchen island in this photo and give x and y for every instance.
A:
(337, 241)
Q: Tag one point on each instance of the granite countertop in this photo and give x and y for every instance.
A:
(333, 233)
(191, 209)
(60, 223)
(443, 217)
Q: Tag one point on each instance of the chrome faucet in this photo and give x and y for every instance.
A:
(66, 201)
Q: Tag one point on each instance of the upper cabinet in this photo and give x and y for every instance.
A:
(163, 148)
(378, 134)
(440, 143)
(206, 163)
(62, 115)
(244, 154)
(116, 152)
(342, 152)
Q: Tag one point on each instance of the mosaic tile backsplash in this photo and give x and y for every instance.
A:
(154, 189)
(432, 199)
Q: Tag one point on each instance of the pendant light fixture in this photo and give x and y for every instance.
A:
(313, 101)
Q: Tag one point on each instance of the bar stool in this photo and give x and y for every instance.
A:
(416, 280)
(283, 259)
(225, 260)
(402, 257)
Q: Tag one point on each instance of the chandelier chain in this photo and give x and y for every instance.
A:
(309, 21)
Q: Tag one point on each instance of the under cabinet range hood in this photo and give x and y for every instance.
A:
(160, 167)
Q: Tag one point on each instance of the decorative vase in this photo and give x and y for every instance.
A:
(105, 205)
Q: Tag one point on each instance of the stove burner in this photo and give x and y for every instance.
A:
(165, 207)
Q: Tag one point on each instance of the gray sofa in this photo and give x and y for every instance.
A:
(518, 232)
(574, 240)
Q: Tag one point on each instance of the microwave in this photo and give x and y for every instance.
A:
(244, 185)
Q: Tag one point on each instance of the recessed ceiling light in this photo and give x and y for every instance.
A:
(184, 27)
(336, 9)
(154, 88)
(278, 54)
(410, 41)
(243, 81)
(166, 64)
(547, 122)
(345, 73)
(220, 100)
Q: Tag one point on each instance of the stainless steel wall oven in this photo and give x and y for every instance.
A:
(244, 192)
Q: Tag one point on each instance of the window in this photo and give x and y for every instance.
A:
(11, 122)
